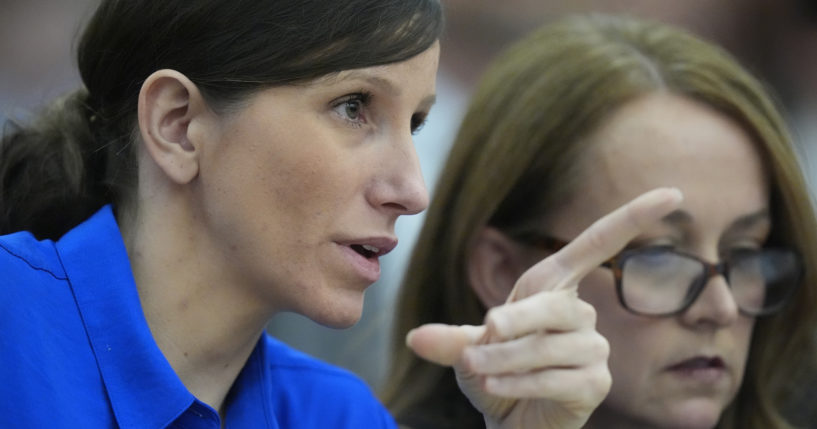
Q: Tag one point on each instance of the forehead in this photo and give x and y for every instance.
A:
(672, 131)
(414, 74)
(668, 140)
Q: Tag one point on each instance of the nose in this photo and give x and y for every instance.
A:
(400, 187)
(715, 306)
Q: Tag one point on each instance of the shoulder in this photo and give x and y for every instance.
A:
(46, 358)
(36, 291)
(315, 393)
(23, 256)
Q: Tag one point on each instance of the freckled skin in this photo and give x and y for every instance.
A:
(296, 171)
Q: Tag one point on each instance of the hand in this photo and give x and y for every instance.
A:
(538, 361)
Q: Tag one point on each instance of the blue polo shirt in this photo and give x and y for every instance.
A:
(76, 351)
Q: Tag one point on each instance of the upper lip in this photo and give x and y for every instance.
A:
(379, 246)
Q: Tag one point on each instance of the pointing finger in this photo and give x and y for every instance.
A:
(600, 241)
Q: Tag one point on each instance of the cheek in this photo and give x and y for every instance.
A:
(301, 179)
(283, 159)
(742, 332)
(269, 197)
(632, 338)
(599, 290)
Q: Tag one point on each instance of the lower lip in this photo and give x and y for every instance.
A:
(700, 375)
(368, 268)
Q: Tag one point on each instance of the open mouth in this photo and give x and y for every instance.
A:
(366, 250)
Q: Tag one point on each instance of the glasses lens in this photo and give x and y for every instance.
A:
(657, 281)
(761, 281)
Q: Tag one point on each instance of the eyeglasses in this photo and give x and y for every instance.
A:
(661, 281)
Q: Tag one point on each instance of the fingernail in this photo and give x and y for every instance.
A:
(679, 196)
(409, 335)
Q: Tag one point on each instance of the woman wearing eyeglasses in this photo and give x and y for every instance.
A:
(709, 312)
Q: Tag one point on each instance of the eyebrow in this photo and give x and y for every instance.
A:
(385, 85)
(677, 217)
(750, 220)
(682, 217)
(380, 82)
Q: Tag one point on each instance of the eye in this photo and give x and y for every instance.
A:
(750, 243)
(743, 250)
(418, 121)
(352, 108)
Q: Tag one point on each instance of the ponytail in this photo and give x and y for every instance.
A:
(51, 172)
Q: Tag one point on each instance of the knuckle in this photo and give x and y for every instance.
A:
(600, 382)
(542, 384)
(470, 362)
(557, 267)
(596, 386)
(596, 238)
(544, 349)
(530, 280)
(587, 313)
(495, 322)
(601, 348)
(557, 305)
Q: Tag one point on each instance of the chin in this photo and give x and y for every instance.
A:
(701, 416)
(341, 322)
(339, 312)
(695, 415)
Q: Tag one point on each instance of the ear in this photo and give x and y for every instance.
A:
(495, 263)
(168, 103)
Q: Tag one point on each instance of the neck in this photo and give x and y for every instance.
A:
(204, 324)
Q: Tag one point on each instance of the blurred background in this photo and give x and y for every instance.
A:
(776, 39)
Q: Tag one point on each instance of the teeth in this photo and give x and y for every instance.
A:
(371, 248)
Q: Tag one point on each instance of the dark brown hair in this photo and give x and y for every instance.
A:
(78, 154)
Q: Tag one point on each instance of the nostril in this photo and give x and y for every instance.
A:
(397, 207)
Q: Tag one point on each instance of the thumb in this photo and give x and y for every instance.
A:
(443, 344)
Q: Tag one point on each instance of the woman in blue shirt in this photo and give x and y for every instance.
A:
(226, 161)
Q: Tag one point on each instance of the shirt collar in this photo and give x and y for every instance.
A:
(251, 386)
(143, 389)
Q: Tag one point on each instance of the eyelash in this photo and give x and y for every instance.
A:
(746, 245)
(734, 247)
(359, 99)
(418, 121)
(364, 99)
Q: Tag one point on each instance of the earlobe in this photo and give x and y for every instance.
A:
(168, 103)
(494, 265)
